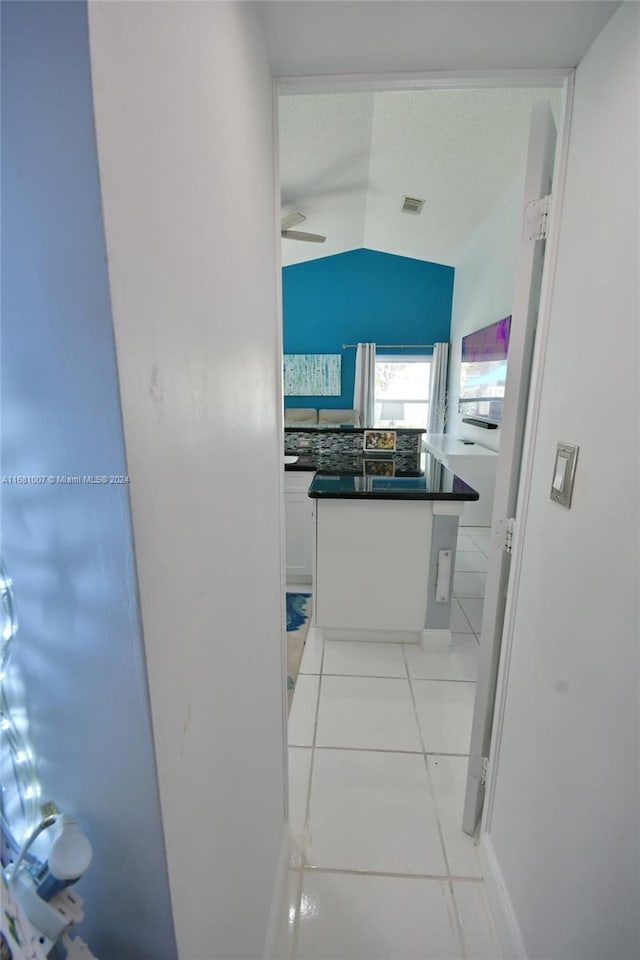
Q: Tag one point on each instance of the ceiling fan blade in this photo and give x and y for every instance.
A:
(298, 235)
(291, 220)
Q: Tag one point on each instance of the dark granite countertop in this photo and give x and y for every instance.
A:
(304, 462)
(353, 476)
(347, 428)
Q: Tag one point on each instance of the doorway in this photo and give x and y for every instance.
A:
(341, 744)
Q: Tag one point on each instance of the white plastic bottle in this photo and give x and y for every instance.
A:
(69, 857)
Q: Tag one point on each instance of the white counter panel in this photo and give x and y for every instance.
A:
(299, 514)
(476, 465)
(372, 563)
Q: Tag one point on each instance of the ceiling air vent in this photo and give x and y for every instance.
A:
(412, 205)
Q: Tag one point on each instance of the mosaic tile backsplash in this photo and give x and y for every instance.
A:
(322, 443)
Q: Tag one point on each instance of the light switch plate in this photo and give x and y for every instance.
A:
(564, 472)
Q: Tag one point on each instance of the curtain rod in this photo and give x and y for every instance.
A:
(390, 346)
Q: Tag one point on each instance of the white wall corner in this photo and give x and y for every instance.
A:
(557, 646)
(504, 916)
(277, 925)
(197, 350)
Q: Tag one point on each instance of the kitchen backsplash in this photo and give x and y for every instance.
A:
(326, 442)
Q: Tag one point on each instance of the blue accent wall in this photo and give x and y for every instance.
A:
(78, 667)
(362, 295)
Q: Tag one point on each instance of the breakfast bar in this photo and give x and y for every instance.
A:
(385, 554)
(385, 540)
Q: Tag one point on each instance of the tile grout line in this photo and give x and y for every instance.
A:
(305, 866)
(442, 877)
(305, 822)
(307, 813)
(464, 612)
(477, 639)
(458, 926)
(309, 868)
(293, 945)
(365, 676)
(407, 753)
(368, 676)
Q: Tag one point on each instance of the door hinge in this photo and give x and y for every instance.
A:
(504, 534)
(536, 218)
(478, 767)
(483, 770)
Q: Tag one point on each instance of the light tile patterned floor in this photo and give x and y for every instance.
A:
(379, 735)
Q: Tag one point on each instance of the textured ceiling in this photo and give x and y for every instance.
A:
(347, 160)
(325, 144)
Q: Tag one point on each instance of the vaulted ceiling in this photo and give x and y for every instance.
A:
(348, 160)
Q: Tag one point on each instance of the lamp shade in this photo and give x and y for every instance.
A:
(392, 410)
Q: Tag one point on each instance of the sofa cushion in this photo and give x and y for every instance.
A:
(300, 417)
(338, 416)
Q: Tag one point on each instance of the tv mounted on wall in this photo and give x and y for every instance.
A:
(483, 373)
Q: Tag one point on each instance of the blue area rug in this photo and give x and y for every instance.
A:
(298, 614)
(297, 610)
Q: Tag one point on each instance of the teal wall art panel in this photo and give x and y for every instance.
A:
(312, 375)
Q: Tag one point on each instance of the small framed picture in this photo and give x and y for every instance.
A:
(379, 441)
(379, 468)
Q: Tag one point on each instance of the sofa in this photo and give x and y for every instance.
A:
(310, 417)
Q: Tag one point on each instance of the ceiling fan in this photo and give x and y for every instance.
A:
(291, 220)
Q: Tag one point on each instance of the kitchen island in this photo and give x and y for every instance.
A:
(385, 548)
(328, 448)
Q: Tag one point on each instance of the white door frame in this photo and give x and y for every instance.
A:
(461, 79)
(422, 80)
(528, 447)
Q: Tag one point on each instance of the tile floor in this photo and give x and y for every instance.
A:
(379, 737)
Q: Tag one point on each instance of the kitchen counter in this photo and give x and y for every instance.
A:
(381, 478)
(304, 462)
(368, 480)
(385, 539)
(475, 464)
(350, 428)
(384, 547)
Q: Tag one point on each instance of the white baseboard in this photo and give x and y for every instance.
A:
(381, 636)
(276, 938)
(435, 641)
(504, 915)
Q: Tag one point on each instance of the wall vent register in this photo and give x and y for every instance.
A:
(412, 205)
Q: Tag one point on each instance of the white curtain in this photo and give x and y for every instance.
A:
(438, 389)
(365, 384)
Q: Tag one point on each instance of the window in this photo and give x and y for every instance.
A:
(402, 391)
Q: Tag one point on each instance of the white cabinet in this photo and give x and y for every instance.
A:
(373, 566)
(378, 569)
(299, 521)
(473, 463)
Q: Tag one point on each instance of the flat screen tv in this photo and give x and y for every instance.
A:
(483, 373)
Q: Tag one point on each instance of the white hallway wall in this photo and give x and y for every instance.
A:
(565, 822)
(77, 675)
(483, 293)
(485, 268)
(187, 185)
